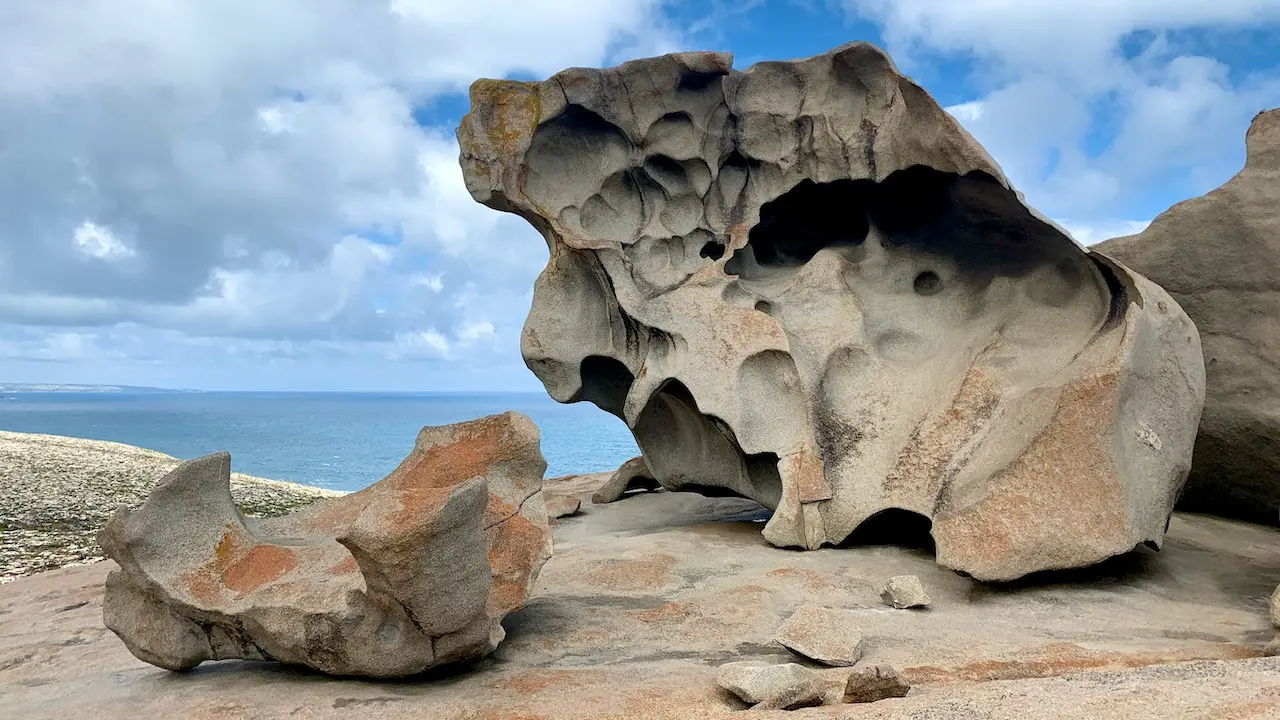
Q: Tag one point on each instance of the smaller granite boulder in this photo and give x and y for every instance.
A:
(827, 635)
(772, 687)
(631, 475)
(413, 572)
(870, 683)
(905, 591)
(559, 506)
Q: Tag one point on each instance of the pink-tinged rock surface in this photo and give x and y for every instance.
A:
(414, 572)
(645, 599)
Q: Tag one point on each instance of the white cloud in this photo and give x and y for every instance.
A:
(1066, 38)
(1091, 233)
(433, 344)
(277, 296)
(429, 343)
(1059, 78)
(474, 331)
(433, 282)
(99, 242)
(967, 112)
(60, 346)
(250, 160)
(273, 121)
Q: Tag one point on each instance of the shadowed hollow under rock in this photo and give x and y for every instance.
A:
(805, 284)
(413, 572)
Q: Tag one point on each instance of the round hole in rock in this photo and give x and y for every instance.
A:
(764, 306)
(714, 249)
(928, 283)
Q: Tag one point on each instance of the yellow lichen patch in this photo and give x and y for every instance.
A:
(508, 110)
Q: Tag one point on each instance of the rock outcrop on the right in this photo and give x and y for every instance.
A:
(1219, 257)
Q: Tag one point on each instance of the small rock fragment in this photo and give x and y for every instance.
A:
(876, 682)
(559, 506)
(772, 687)
(631, 475)
(905, 591)
(828, 635)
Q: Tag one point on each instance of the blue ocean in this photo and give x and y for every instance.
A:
(343, 441)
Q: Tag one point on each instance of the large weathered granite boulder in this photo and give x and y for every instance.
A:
(413, 572)
(805, 284)
(1219, 257)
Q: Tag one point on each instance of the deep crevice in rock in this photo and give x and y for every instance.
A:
(605, 382)
(696, 452)
(806, 219)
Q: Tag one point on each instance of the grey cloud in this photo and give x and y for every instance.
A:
(232, 148)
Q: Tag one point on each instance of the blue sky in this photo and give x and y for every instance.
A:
(230, 194)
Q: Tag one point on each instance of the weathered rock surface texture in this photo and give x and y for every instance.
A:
(805, 284)
(905, 591)
(1219, 257)
(633, 474)
(645, 599)
(559, 506)
(413, 572)
(830, 636)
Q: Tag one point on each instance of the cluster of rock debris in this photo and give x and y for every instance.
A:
(803, 284)
(829, 636)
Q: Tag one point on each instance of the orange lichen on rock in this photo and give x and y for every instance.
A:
(1064, 484)
(515, 548)
(258, 567)
(666, 612)
(649, 572)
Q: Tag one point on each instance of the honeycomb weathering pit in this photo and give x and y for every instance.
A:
(805, 284)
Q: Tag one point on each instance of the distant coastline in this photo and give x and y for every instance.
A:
(343, 440)
(56, 493)
(72, 388)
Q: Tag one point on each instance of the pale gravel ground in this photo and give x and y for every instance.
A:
(57, 492)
